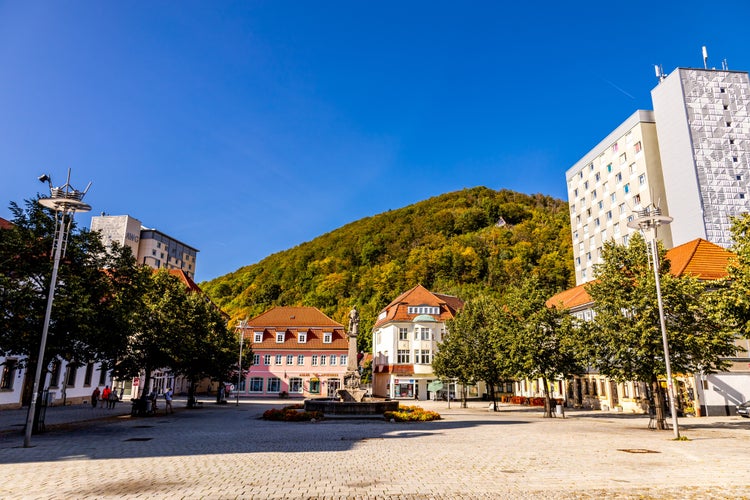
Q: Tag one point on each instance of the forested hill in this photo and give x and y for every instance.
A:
(455, 244)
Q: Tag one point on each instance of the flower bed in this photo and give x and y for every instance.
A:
(411, 414)
(292, 413)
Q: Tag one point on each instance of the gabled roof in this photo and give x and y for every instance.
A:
(291, 321)
(699, 258)
(187, 280)
(4, 224)
(419, 296)
(296, 317)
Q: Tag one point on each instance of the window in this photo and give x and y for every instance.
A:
(323, 359)
(600, 205)
(597, 176)
(54, 377)
(614, 148)
(586, 185)
(314, 360)
(734, 159)
(314, 385)
(642, 179)
(403, 356)
(588, 256)
(578, 261)
(622, 208)
(575, 192)
(72, 371)
(301, 359)
(89, 374)
(9, 374)
(267, 359)
(738, 177)
(636, 199)
(631, 168)
(301, 337)
(623, 158)
(327, 337)
(612, 198)
(596, 222)
(616, 228)
(423, 310)
(625, 239)
(618, 177)
(274, 384)
(742, 196)
(609, 215)
(256, 359)
(403, 334)
(575, 238)
(638, 147)
(279, 337)
(258, 337)
(290, 359)
(425, 334)
(256, 384)
(593, 194)
(422, 357)
(295, 384)
(344, 359)
(626, 188)
(102, 373)
(278, 359)
(333, 359)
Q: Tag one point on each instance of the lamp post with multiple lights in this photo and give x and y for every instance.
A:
(65, 201)
(240, 328)
(649, 219)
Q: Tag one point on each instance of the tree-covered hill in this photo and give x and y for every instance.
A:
(454, 244)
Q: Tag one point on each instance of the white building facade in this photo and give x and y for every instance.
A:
(690, 157)
(150, 247)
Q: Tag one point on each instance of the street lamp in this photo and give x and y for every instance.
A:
(65, 201)
(241, 328)
(650, 219)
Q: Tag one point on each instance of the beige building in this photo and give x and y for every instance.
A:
(151, 247)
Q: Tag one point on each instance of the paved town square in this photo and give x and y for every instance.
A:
(229, 452)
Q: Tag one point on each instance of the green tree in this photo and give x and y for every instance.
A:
(626, 340)
(544, 342)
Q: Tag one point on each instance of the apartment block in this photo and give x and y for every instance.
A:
(151, 247)
(690, 157)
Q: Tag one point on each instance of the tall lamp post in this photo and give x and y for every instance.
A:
(241, 328)
(65, 201)
(649, 219)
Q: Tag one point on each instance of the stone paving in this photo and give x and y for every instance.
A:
(228, 452)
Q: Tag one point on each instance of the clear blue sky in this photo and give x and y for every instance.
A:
(245, 128)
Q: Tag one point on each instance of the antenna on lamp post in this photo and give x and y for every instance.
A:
(650, 219)
(65, 202)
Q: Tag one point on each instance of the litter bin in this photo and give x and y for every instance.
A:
(559, 410)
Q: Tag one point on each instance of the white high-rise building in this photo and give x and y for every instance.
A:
(150, 247)
(690, 157)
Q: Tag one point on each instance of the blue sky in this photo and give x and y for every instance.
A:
(246, 128)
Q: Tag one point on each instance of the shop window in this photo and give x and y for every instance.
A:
(9, 374)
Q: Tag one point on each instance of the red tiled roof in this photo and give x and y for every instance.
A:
(187, 280)
(294, 320)
(4, 224)
(419, 296)
(699, 258)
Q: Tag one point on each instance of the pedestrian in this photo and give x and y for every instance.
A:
(105, 396)
(95, 397)
(112, 399)
(168, 401)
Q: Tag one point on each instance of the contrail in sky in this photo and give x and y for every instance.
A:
(618, 88)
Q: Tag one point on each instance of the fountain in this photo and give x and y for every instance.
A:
(351, 399)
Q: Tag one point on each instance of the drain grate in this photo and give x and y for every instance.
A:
(637, 450)
(139, 439)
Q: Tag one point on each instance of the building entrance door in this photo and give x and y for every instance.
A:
(334, 385)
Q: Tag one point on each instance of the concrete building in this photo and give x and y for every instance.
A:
(405, 338)
(690, 157)
(151, 247)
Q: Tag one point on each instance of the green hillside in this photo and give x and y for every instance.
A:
(450, 244)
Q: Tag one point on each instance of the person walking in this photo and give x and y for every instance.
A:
(168, 401)
(95, 397)
(105, 396)
(112, 399)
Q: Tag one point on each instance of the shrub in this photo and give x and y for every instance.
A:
(292, 413)
(411, 414)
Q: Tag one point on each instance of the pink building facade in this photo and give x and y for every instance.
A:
(297, 351)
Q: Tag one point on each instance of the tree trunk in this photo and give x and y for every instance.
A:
(191, 394)
(659, 403)
(463, 396)
(492, 396)
(547, 399)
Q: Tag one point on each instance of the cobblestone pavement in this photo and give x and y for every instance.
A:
(228, 452)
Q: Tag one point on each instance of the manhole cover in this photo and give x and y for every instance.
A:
(139, 439)
(637, 450)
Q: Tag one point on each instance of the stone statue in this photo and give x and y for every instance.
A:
(353, 322)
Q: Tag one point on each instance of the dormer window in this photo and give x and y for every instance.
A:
(327, 337)
(301, 337)
(279, 337)
(258, 337)
(423, 310)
